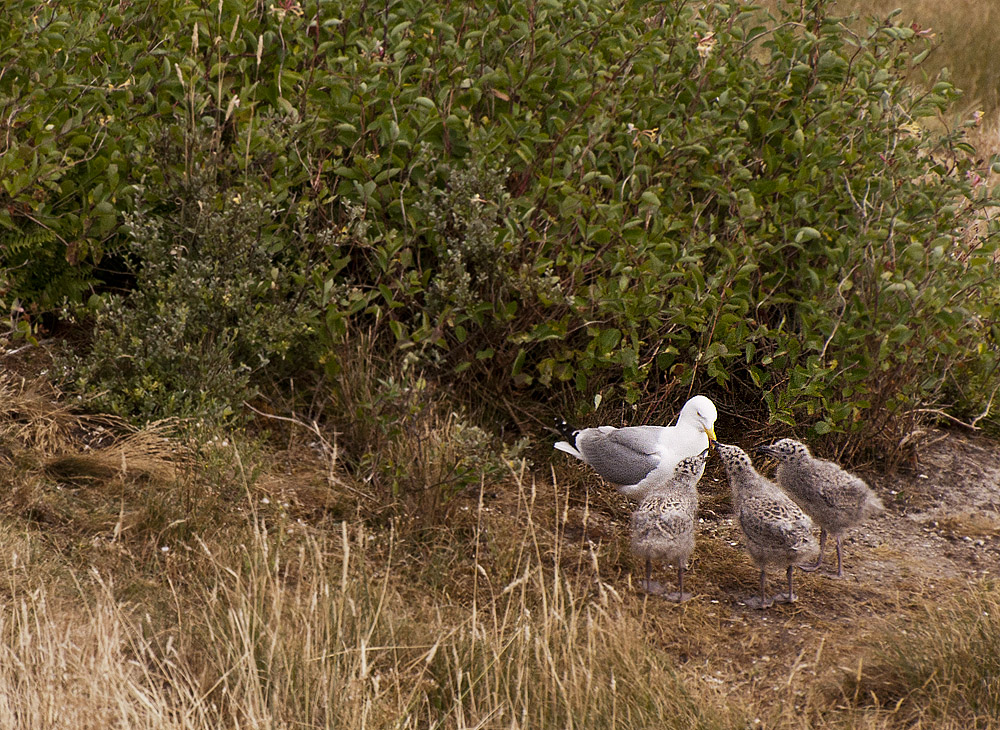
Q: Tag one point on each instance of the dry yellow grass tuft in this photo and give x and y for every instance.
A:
(33, 416)
(148, 453)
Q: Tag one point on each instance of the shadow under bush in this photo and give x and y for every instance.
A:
(403, 441)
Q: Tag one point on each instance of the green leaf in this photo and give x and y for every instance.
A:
(518, 362)
(650, 198)
(606, 341)
(806, 234)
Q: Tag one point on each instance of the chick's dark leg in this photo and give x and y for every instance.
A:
(791, 591)
(680, 596)
(649, 585)
(763, 601)
(791, 597)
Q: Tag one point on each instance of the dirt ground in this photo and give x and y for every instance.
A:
(942, 519)
(939, 534)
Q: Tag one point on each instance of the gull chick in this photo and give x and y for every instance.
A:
(663, 525)
(835, 499)
(637, 459)
(778, 534)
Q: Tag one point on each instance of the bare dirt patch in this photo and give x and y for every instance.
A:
(939, 534)
(942, 522)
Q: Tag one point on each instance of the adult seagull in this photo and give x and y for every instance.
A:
(638, 459)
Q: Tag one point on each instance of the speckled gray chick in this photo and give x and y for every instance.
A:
(835, 499)
(778, 534)
(663, 525)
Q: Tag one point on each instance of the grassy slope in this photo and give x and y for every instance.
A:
(964, 43)
(963, 29)
(149, 583)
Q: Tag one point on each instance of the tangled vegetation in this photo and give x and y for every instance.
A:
(586, 198)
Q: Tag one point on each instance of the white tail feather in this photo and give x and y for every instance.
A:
(569, 449)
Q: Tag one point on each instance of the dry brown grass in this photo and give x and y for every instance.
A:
(239, 587)
(36, 420)
(945, 670)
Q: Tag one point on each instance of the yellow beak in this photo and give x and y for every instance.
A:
(711, 436)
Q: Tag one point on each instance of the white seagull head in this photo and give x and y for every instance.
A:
(700, 412)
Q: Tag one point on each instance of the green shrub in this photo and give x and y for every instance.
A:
(691, 196)
(212, 307)
(71, 110)
(109, 109)
(572, 198)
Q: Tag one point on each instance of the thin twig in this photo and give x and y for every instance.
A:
(947, 416)
(989, 405)
(840, 317)
(330, 451)
(975, 421)
(8, 353)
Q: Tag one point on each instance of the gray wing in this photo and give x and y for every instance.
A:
(621, 455)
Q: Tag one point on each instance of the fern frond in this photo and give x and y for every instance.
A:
(31, 237)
